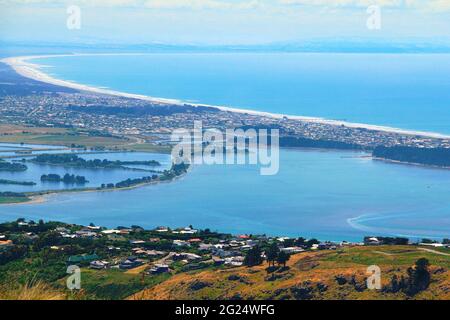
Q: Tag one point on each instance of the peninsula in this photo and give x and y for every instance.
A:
(121, 113)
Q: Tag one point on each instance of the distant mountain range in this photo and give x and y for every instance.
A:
(339, 45)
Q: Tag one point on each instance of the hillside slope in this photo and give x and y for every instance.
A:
(339, 274)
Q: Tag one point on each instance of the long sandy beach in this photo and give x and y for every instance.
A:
(24, 67)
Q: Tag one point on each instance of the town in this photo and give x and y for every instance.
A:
(152, 121)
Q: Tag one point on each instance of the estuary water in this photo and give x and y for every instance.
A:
(331, 195)
(95, 177)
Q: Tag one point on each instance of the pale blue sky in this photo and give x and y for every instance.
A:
(221, 21)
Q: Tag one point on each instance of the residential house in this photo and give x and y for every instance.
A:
(292, 250)
(98, 265)
(234, 261)
(86, 233)
(137, 242)
(181, 243)
(130, 263)
(218, 261)
(111, 231)
(159, 268)
(433, 244)
(206, 247)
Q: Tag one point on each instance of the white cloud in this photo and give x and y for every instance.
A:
(200, 4)
(428, 5)
(343, 3)
(153, 4)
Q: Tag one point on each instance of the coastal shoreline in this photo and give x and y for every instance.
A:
(416, 164)
(34, 199)
(30, 70)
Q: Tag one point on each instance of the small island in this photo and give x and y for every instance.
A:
(20, 183)
(12, 167)
(72, 160)
(67, 178)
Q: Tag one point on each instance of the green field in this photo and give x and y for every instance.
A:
(147, 147)
(385, 255)
(6, 200)
(63, 139)
(67, 137)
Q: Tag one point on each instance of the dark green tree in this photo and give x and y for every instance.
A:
(253, 257)
(282, 258)
(272, 253)
(418, 277)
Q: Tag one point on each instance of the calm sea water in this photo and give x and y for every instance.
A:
(410, 91)
(329, 195)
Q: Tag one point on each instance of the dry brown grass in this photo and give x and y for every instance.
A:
(17, 129)
(31, 291)
(305, 269)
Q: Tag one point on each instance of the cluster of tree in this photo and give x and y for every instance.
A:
(253, 257)
(76, 161)
(67, 178)
(16, 252)
(426, 156)
(300, 242)
(21, 183)
(32, 226)
(418, 279)
(289, 141)
(175, 171)
(9, 194)
(426, 240)
(273, 254)
(10, 166)
(132, 182)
